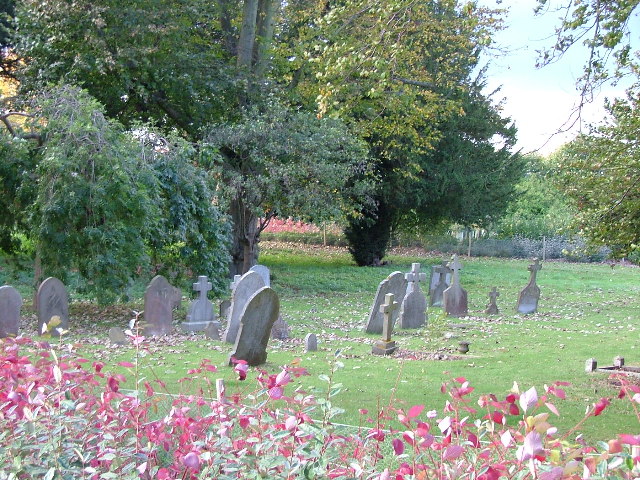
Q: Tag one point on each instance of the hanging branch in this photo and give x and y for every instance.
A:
(4, 118)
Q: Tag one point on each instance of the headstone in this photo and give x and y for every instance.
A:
(243, 289)
(159, 299)
(413, 309)
(590, 365)
(258, 316)
(117, 336)
(440, 281)
(223, 308)
(396, 284)
(529, 296)
(10, 303)
(201, 309)
(492, 307)
(618, 361)
(52, 300)
(212, 331)
(386, 346)
(454, 298)
(176, 297)
(264, 273)
(280, 329)
(311, 342)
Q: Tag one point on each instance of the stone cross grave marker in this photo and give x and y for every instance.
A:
(201, 309)
(264, 273)
(10, 303)
(492, 307)
(386, 346)
(529, 296)
(159, 299)
(413, 309)
(243, 289)
(52, 300)
(454, 298)
(440, 281)
(258, 316)
(395, 283)
(311, 342)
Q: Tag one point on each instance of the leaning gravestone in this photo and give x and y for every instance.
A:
(529, 296)
(311, 342)
(395, 283)
(117, 336)
(440, 281)
(10, 303)
(386, 346)
(492, 307)
(257, 318)
(159, 299)
(413, 309)
(264, 273)
(454, 298)
(243, 289)
(52, 300)
(201, 309)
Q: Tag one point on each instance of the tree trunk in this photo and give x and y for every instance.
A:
(244, 240)
(266, 15)
(247, 34)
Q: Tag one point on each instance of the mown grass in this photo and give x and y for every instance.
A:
(586, 310)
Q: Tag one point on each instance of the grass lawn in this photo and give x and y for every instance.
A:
(586, 310)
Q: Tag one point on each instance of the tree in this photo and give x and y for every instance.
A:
(288, 164)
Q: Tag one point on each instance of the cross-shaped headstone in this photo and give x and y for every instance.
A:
(534, 269)
(387, 309)
(415, 275)
(455, 266)
(202, 286)
(236, 279)
(493, 295)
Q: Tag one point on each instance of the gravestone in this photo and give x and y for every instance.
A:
(176, 297)
(258, 316)
(264, 273)
(10, 303)
(311, 342)
(223, 308)
(280, 329)
(159, 299)
(529, 296)
(440, 281)
(52, 300)
(117, 336)
(454, 298)
(201, 309)
(492, 307)
(386, 346)
(395, 283)
(212, 331)
(413, 309)
(243, 289)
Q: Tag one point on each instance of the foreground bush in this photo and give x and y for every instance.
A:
(65, 419)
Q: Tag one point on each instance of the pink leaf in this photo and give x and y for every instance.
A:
(276, 393)
(630, 439)
(452, 452)
(528, 399)
(398, 446)
(283, 378)
(126, 364)
(192, 461)
(553, 408)
(415, 411)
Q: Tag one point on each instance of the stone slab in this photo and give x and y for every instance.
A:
(159, 300)
(10, 304)
(396, 284)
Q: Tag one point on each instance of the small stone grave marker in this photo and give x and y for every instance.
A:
(396, 284)
(159, 299)
(455, 297)
(258, 316)
(492, 307)
(10, 304)
(52, 300)
(386, 346)
(264, 273)
(212, 331)
(117, 336)
(440, 281)
(311, 342)
(280, 329)
(223, 308)
(244, 288)
(201, 309)
(529, 296)
(413, 309)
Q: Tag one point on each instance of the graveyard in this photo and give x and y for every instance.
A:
(585, 311)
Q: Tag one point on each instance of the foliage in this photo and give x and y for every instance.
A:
(600, 172)
(64, 421)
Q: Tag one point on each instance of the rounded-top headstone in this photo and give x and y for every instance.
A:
(159, 298)
(10, 303)
(52, 300)
(246, 286)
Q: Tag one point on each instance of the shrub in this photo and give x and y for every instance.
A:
(64, 421)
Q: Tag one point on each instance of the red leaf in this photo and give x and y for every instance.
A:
(415, 411)
(126, 364)
(452, 452)
(398, 446)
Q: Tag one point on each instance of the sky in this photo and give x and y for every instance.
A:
(539, 100)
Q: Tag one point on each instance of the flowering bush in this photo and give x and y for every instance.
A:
(63, 418)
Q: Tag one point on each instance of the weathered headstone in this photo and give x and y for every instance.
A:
(311, 342)
(264, 273)
(529, 296)
(223, 308)
(159, 299)
(413, 309)
(10, 303)
(212, 331)
(492, 307)
(280, 329)
(243, 289)
(176, 297)
(386, 346)
(440, 281)
(258, 316)
(454, 298)
(117, 336)
(52, 300)
(201, 309)
(395, 283)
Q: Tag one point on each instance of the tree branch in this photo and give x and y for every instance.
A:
(4, 118)
(417, 83)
